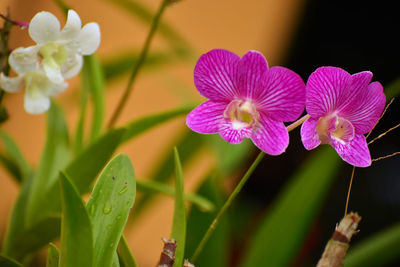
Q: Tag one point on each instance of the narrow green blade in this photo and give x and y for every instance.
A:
(55, 157)
(112, 198)
(179, 222)
(76, 229)
(284, 228)
(378, 250)
(126, 258)
(16, 157)
(53, 256)
(8, 262)
(92, 78)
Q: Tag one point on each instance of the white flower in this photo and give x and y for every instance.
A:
(61, 51)
(38, 87)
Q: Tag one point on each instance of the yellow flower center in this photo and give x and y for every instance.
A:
(241, 113)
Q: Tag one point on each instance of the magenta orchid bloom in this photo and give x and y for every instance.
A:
(343, 107)
(246, 99)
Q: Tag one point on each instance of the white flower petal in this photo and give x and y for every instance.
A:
(35, 101)
(52, 70)
(57, 88)
(72, 66)
(89, 38)
(44, 27)
(11, 85)
(72, 26)
(23, 60)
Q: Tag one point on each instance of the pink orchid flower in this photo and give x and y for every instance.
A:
(247, 99)
(343, 107)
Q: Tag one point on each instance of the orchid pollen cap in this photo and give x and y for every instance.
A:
(342, 108)
(246, 99)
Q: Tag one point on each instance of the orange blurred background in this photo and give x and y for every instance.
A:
(235, 25)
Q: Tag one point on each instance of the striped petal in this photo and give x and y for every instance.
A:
(271, 136)
(252, 67)
(355, 152)
(325, 89)
(309, 134)
(365, 110)
(283, 94)
(233, 134)
(207, 117)
(216, 75)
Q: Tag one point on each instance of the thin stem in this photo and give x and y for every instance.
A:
(349, 190)
(387, 156)
(139, 63)
(236, 191)
(383, 134)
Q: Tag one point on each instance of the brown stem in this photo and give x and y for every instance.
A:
(167, 257)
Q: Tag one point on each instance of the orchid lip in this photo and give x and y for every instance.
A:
(241, 113)
(333, 127)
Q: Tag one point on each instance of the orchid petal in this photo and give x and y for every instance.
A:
(233, 134)
(216, 75)
(52, 70)
(365, 110)
(271, 136)
(251, 68)
(309, 134)
(72, 66)
(72, 26)
(23, 60)
(54, 89)
(89, 38)
(11, 84)
(207, 117)
(355, 153)
(44, 27)
(283, 94)
(325, 89)
(35, 101)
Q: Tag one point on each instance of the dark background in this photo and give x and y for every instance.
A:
(356, 36)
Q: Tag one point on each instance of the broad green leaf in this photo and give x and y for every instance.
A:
(92, 78)
(8, 262)
(140, 11)
(179, 221)
(55, 157)
(215, 253)
(189, 143)
(143, 124)
(115, 260)
(14, 154)
(123, 63)
(378, 250)
(155, 187)
(126, 258)
(112, 198)
(53, 256)
(76, 245)
(393, 89)
(285, 226)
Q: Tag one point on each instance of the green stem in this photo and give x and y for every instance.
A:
(138, 64)
(236, 191)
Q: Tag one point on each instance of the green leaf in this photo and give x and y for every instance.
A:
(15, 156)
(109, 205)
(53, 256)
(8, 262)
(179, 221)
(55, 157)
(155, 187)
(143, 124)
(92, 78)
(284, 228)
(188, 144)
(393, 89)
(79, 134)
(126, 258)
(215, 253)
(123, 63)
(140, 11)
(378, 250)
(11, 167)
(76, 230)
